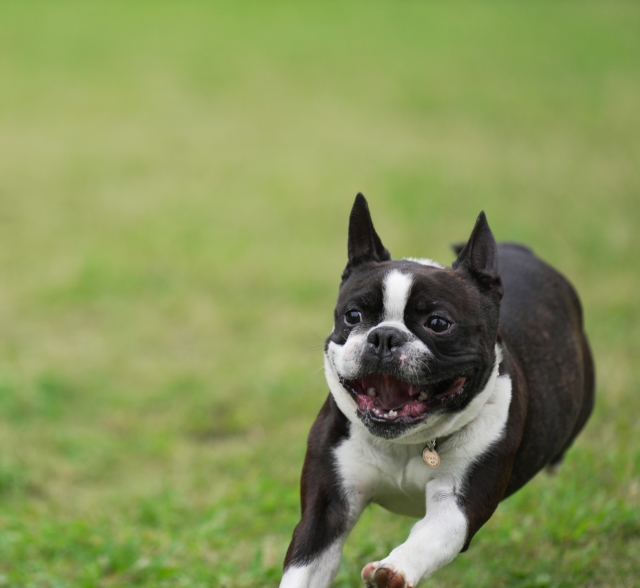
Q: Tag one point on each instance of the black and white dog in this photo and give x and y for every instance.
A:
(450, 389)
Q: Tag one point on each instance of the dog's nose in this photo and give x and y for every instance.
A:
(384, 340)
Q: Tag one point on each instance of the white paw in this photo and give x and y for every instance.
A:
(381, 575)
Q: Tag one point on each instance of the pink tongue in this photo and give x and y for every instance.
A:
(390, 393)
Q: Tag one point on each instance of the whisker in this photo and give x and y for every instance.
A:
(317, 336)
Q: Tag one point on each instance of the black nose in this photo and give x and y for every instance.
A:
(384, 340)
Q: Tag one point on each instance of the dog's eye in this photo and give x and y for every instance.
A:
(437, 324)
(352, 317)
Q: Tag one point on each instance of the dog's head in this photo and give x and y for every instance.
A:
(412, 338)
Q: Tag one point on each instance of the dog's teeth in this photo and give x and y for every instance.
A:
(372, 392)
(423, 396)
(393, 414)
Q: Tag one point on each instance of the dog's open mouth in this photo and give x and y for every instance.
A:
(385, 398)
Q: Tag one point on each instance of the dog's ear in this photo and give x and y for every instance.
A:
(364, 243)
(479, 259)
(457, 247)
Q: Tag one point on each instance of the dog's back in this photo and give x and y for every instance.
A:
(541, 324)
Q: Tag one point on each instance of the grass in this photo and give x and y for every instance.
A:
(175, 180)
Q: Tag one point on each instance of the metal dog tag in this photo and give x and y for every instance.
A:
(430, 455)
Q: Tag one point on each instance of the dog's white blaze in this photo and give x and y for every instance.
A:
(343, 361)
(425, 261)
(396, 288)
(394, 325)
(393, 475)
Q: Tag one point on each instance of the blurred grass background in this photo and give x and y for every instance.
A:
(175, 181)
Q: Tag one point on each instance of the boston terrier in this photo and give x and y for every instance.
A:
(450, 389)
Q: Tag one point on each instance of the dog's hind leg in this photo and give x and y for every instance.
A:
(588, 400)
(553, 467)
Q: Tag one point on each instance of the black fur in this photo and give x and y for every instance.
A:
(492, 293)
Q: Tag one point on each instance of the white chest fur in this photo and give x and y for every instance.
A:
(393, 474)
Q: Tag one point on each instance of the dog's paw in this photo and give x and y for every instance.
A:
(380, 575)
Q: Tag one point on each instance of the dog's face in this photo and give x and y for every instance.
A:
(412, 338)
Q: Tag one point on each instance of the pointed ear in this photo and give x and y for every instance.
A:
(364, 243)
(479, 259)
(457, 247)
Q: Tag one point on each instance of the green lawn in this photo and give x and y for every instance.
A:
(175, 181)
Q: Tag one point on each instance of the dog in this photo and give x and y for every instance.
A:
(450, 389)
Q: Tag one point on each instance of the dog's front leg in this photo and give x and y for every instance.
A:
(323, 553)
(330, 509)
(328, 515)
(433, 542)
